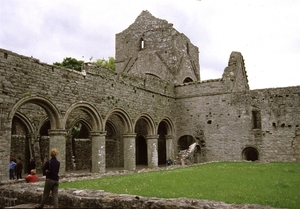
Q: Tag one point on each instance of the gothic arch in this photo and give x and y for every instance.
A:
(48, 106)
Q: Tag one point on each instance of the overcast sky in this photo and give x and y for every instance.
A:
(266, 32)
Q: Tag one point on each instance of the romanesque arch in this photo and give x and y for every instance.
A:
(32, 110)
(80, 120)
(89, 111)
(119, 125)
(187, 80)
(165, 130)
(113, 146)
(49, 107)
(22, 130)
(250, 153)
(184, 142)
(145, 129)
(120, 117)
(79, 142)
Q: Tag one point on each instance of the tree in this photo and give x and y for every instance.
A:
(110, 63)
(70, 63)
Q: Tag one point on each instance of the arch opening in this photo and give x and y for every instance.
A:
(141, 151)
(250, 154)
(162, 152)
(187, 80)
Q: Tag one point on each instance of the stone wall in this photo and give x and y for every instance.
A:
(25, 77)
(227, 121)
(152, 46)
(155, 95)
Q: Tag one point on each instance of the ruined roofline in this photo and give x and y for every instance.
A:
(199, 82)
(149, 15)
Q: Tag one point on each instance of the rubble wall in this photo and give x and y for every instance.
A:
(227, 121)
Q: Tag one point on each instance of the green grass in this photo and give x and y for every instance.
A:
(272, 184)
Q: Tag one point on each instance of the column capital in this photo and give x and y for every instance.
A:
(168, 136)
(98, 133)
(57, 132)
(152, 137)
(129, 135)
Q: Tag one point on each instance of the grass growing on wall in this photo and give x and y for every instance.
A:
(272, 184)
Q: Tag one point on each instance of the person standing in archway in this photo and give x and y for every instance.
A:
(12, 166)
(51, 184)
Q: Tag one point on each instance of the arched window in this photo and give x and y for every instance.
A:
(187, 80)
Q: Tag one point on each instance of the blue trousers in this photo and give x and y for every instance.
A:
(11, 174)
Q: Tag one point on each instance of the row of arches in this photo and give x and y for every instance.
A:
(37, 125)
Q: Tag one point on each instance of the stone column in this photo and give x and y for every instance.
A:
(57, 139)
(98, 152)
(169, 147)
(152, 153)
(35, 151)
(129, 151)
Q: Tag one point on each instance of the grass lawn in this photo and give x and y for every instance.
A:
(274, 184)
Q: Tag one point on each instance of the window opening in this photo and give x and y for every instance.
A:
(142, 44)
(256, 119)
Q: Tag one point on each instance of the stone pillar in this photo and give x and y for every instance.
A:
(152, 153)
(57, 139)
(129, 151)
(35, 151)
(169, 147)
(98, 152)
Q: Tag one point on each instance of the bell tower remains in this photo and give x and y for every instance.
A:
(151, 46)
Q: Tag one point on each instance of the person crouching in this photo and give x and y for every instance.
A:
(32, 177)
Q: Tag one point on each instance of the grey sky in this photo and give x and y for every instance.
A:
(267, 32)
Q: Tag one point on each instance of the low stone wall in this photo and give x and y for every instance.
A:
(16, 192)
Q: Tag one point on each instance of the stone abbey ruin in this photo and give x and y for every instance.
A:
(152, 107)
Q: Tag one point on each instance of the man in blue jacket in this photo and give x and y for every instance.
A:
(12, 166)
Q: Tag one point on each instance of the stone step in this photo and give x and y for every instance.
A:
(28, 205)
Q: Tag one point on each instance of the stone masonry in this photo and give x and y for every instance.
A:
(153, 106)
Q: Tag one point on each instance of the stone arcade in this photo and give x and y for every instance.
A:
(153, 106)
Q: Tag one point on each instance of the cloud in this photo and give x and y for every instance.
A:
(265, 32)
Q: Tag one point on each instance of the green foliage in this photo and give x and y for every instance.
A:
(110, 63)
(76, 130)
(272, 184)
(70, 63)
